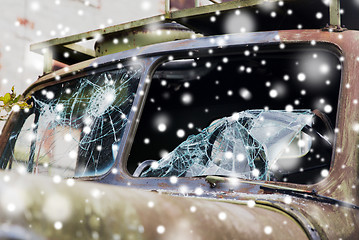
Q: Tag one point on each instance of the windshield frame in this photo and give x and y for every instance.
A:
(202, 50)
(235, 50)
(13, 125)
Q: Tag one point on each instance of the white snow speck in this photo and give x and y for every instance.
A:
(193, 209)
(240, 157)
(15, 108)
(59, 107)
(245, 93)
(173, 180)
(222, 216)
(72, 154)
(68, 137)
(186, 98)
(11, 207)
(87, 129)
(289, 108)
(56, 179)
(273, 93)
(268, 230)
(198, 191)
(161, 229)
(324, 173)
(255, 172)
(324, 68)
(154, 165)
(319, 15)
(50, 95)
(328, 108)
(301, 77)
(146, 5)
(228, 155)
(161, 127)
(180, 133)
(58, 225)
(70, 182)
(288, 199)
(150, 204)
(251, 203)
(356, 127)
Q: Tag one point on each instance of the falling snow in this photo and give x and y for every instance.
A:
(230, 146)
(72, 132)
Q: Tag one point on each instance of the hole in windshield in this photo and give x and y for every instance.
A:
(187, 127)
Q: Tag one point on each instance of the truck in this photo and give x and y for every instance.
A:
(224, 121)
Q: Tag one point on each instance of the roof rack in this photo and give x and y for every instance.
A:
(59, 49)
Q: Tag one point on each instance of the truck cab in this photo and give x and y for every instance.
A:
(168, 128)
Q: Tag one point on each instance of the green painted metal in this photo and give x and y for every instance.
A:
(48, 60)
(59, 46)
(141, 37)
(335, 13)
(56, 45)
(208, 9)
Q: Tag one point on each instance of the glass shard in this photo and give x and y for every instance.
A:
(245, 145)
(75, 127)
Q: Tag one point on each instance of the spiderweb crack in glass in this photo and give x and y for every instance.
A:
(75, 131)
(245, 145)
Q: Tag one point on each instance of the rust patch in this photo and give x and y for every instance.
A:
(163, 185)
(26, 22)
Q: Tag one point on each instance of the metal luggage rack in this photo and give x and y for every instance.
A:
(68, 51)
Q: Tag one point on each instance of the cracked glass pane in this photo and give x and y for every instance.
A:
(247, 145)
(187, 95)
(75, 127)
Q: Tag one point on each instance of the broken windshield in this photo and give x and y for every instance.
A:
(75, 127)
(286, 83)
(247, 145)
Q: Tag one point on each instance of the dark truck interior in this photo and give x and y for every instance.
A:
(187, 95)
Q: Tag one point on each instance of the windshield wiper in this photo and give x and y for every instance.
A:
(312, 195)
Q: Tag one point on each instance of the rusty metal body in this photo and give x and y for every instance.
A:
(172, 210)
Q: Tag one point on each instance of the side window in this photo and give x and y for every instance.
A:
(74, 127)
(263, 113)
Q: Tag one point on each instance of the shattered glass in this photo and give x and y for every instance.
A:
(246, 145)
(75, 127)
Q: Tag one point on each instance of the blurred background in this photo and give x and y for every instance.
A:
(23, 22)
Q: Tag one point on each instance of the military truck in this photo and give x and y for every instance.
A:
(175, 127)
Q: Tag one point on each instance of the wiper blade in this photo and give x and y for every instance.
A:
(213, 180)
(310, 195)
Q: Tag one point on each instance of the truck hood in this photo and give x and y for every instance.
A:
(35, 207)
